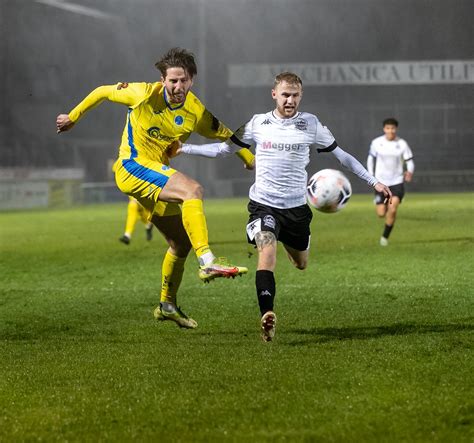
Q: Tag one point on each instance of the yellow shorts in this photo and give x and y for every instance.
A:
(143, 180)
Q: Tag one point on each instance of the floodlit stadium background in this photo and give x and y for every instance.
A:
(361, 61)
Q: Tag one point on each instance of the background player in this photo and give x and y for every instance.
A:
(135, 211)
(159, 114)
(388, 157)
(277, 207)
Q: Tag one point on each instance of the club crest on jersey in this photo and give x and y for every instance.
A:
(179, 120)
(301, 124)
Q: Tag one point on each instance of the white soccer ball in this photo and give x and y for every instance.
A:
(328, 190)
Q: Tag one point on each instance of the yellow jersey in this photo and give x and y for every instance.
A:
(152, 122)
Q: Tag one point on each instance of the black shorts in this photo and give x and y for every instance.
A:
(397, 191)
(290, 226)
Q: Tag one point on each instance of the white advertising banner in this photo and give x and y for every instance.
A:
(356, 74)
(23, 195)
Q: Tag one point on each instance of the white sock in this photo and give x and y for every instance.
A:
(206, 259)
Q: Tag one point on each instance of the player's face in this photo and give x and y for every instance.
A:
(287, 97)
(390, 132)
(177, 84)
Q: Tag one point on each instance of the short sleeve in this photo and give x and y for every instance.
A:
(324, 138)
(407, 154)
(372, 150)
(245, 132)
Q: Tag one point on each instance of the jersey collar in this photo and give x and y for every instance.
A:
(285, 120)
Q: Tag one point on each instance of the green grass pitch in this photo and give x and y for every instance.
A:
(373, 344)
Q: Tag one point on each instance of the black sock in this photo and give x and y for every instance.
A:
(387, 230)
(265, 284)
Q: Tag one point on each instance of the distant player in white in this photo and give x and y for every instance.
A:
(277, 207)
(392, 159)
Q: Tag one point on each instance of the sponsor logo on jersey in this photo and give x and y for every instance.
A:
(283, 146)
(301, 124)
(122, 85)
(179, 120)
(165, 167)
(266, 122)
(155, 133)
(269, 221)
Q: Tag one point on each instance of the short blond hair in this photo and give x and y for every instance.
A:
(288, 77)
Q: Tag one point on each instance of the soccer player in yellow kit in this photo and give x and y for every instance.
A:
(159, 115)
(135, 211)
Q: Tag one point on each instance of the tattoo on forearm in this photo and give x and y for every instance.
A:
(264, 238)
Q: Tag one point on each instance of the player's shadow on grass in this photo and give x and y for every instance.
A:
(324, 335)
(441, 240)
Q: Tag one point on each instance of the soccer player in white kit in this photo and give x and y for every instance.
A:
(390, 161)
(277, 207)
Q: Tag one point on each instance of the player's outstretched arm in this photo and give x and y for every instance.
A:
(213, 150)
(351, 163)
(224, 149)
(120, 93)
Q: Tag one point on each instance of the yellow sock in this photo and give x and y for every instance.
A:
(195, 225)
(171, 275)
(132, 217)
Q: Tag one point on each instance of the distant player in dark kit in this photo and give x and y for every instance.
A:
(391, 161)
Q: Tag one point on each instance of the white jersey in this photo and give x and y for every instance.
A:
(282, 154)
(390, 157)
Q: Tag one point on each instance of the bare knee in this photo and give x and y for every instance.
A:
(381, 211)
(300, 263)
(194, 190)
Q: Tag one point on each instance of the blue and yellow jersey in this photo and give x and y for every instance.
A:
(152, 122)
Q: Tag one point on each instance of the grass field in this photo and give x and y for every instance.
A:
(373, 344)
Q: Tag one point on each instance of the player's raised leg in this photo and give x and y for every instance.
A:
(181, 188)
(172, 270)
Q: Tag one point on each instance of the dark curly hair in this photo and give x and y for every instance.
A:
(177, 58)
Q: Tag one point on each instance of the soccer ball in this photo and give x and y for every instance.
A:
(328, 190)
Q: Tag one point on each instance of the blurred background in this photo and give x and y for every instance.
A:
(361, 61)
